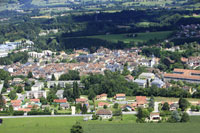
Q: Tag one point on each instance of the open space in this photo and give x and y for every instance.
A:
(63, 125)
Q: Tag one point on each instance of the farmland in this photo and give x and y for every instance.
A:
(63, 125)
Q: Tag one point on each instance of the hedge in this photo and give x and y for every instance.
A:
(38, 113)
(17, 113)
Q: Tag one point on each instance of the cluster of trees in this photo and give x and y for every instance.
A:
(14, 57)
(71, 75)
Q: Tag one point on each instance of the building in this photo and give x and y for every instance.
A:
(59, 94)
(60, 101)
(51, 84)
(192, 76)
(102, 97)
(146, 76)
(141, 101)
(120, 96)
(16, 104)
(37, 86)
(36, 94)
(104, 113)
(141, 82)
(157, 82)
(101, 104)
(154, 117)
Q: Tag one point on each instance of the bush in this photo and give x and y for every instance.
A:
(38, 113)
(117, 112)
(4, 113)
(17, 113)
(95, 117)
(110, 119)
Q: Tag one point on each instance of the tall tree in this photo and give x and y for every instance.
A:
(91, 96)
(76, 93)
(2, 103)
(53, 78)
(183, 104)
(30, 75)
(84, 109)
(165, 106)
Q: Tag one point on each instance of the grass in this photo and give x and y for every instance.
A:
(63, 125)
(192, 127)
(141, 37)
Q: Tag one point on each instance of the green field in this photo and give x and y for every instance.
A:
(141, 37)
(63, 125)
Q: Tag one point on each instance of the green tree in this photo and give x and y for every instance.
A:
(43, 101)
(84, 109)
(77, 128)
(53, 78)
(151, 102)
(105, 106)
(183, 104)
(165, 106)
(91, 96)
(185, 117)
(115, 106)
(12, 95)
(76, 93)
(2, 103)
(30, 75)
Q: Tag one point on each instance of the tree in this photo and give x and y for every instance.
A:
(105, 106)
(151, 103)
(77, 128)
(185, 117)
(2, 103)
(76, 93)
(142, 113)
(183, 104)
(43, 101)
(84, 109)
(30, 75)
(19, 89)
(116, 105)
(53, 78)
(91, 96)
(12, 95)
(165, 106)
(11, 109)
(175, 117)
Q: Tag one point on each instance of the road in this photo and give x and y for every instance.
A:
(156, 106)
(36, 116)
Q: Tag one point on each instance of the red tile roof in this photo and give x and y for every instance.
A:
(141, 99)
(35, 100)
(60, 100)
(102, 104)
(16, 101)
(104, 112)
(81, 100)
(120, 95)
(25, 110)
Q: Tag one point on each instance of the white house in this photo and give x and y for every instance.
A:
(36, 94)
(104, 113)
(38, 86)
(141, 82)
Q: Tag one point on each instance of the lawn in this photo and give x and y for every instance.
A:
(191, 127)
(141, 37)
(63, 125)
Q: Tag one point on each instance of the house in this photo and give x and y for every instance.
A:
(174, 106)
(141, 101)
(128, 107)
(157, 82)
(141, 82)
(24, 109)
(17, 81)
(104, 113)
(81, 100)
(145, 76)
(35, 100)
(36, 94)
(16, 104)
(120, 96)
(101, 104)
(38, 86)
(129, 78)
(65, 106)
(102, 97)
(154, 117)
(60, 101)
(59, 94)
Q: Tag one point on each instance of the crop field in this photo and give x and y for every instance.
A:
(140, 37)
(64, 124)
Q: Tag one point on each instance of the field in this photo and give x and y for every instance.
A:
(63, 125)
(141, 37)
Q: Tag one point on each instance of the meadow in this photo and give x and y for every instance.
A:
(128, 125)
(141, 37)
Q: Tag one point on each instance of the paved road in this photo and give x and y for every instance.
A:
(156, 106)
(35, 116)
(127, 113)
